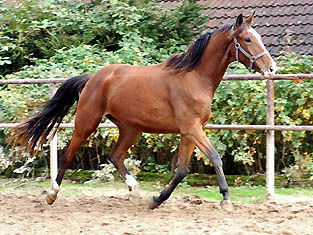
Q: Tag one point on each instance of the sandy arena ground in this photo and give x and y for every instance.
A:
(113, 213)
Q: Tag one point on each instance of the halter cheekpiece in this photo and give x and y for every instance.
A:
(250, 57)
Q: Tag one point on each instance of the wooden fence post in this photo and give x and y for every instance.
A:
(270, 140)
(53, 146)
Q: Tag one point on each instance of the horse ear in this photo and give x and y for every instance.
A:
(239, 21)
(250, 18)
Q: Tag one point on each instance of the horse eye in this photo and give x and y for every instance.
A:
(248, 40)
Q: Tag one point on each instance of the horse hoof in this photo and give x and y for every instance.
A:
(152, 204)
(50, 198)
(227, 205)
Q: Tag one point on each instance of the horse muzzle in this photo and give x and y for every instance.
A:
(269, 72)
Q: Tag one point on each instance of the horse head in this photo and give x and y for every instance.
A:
(248, 48)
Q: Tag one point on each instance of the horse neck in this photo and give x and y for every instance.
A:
(215, 60)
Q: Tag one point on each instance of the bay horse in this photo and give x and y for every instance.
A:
(172, 97)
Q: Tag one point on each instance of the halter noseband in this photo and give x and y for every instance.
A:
(250, 57)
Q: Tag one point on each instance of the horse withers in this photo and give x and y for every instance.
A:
(172, 97)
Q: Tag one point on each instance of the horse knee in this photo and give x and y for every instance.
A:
(215, 158)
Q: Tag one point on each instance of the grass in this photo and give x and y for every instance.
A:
(250, 194)
(244, 194)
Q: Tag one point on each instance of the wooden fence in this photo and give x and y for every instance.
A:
(270, 126)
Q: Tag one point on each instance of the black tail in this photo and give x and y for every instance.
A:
(39, 127)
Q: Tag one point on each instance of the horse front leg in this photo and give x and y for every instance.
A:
(184, 154)
(198, 137)
(127, 138)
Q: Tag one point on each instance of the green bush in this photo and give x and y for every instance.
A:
(38, 29)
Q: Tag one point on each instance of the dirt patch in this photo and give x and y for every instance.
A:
(115, 214)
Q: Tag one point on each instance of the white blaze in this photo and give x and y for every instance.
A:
(258, 37)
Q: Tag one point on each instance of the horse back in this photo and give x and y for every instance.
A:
(137, 96)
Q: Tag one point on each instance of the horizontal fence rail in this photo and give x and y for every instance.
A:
(270, 126)
(234, 77)
(208, 126)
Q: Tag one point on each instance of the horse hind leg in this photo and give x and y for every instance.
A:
(85, 125)
(67, 157)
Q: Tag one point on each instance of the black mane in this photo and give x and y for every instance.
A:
(188, 60)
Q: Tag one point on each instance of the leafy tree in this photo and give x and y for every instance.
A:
(38, 29)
